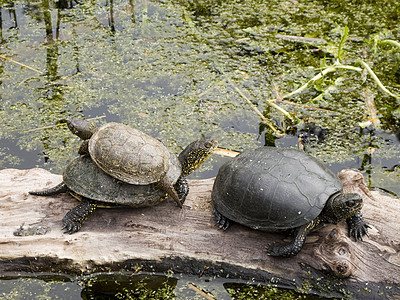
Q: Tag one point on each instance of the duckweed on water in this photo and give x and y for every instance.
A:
(162, 67)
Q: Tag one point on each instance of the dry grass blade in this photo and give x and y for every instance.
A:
(21, 64)
(61, 124)
(226, 152)
(300, 39)
(138, 269)
(200, 292)
(372, 118)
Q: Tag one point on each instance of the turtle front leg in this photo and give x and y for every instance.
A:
(357, 226)
(182, 189)
(74, 219)
(84, 148)
(295, 246)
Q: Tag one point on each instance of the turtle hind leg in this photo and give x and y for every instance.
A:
(58, 189)
(295, 246)
(222, 222)
(74, 219)
(286, 250)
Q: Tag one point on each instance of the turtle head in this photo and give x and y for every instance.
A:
(342, 206)
(195, 154)
(82, 128)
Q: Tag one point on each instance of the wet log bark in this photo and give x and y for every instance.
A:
(187, 240)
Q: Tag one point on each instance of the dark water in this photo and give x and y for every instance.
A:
(106, 286)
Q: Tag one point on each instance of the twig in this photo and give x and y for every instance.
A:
(138, 269)
(21, 64)
(200, 292)
(276, 131)
(306, 106)
(277, 107)
(61, 124)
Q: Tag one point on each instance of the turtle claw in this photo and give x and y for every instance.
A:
(182, 189)
(357, 227)
(71, 227)
(359, 232)
(274, 249)
(222, 222)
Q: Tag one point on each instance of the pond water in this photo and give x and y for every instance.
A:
(182, 69)
(106, 286)
(174, 69)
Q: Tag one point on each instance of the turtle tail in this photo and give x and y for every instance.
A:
(58, 189)
(165, 186)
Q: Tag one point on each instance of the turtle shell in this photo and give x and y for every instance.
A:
(84, 178)
(273, 189)
(129, 154)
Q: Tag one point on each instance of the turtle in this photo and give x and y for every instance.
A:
(283, 189)
(85, 181)
(129, 154)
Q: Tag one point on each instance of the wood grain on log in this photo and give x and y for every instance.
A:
(187, 240)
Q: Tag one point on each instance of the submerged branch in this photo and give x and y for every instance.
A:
(270, 125)
(277, 107)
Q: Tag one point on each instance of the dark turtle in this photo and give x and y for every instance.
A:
(128, 154)
(275, 189)
(89, 184)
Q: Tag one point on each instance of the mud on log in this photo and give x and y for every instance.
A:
(187, 240)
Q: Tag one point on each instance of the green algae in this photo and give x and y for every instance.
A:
(162, 67)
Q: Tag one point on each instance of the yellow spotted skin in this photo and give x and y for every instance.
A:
(196, 154)
(74, 219)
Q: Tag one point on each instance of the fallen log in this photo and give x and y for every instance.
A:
(164, 237)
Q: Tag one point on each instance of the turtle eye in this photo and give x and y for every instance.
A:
(350, 203)
(208, 145)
